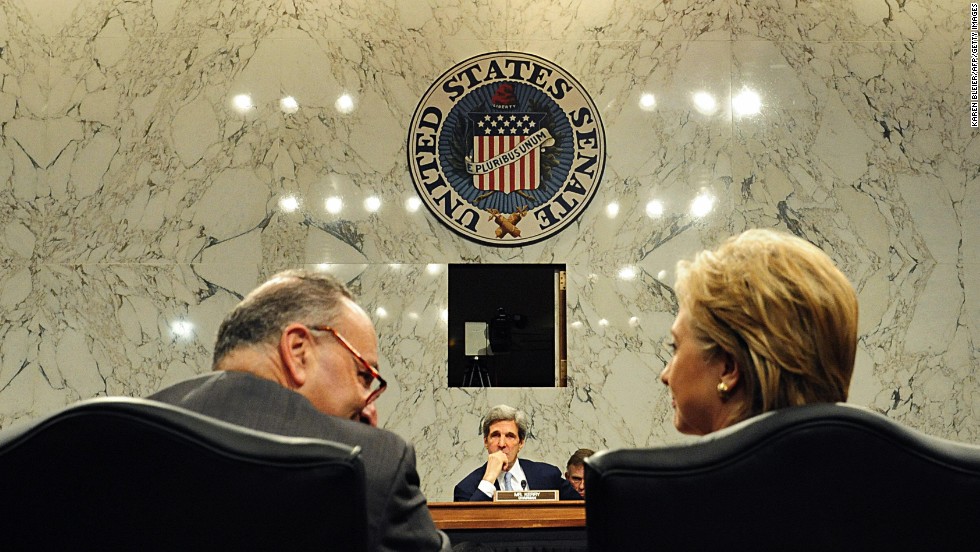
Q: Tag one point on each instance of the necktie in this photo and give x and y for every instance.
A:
(508, 478)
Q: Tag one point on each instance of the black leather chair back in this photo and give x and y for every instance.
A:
(819, 477)
(135, 474)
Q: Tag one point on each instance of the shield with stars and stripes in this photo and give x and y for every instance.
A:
(506, 151)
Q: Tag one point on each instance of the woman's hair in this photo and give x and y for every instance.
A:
(786, 315)
(505, 413)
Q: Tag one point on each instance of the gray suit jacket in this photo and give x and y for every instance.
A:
(398, 517)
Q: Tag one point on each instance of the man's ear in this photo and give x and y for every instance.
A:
(296, 352)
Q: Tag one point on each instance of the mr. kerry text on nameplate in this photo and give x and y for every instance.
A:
(525, 496)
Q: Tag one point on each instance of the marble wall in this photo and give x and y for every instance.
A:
(138, 204)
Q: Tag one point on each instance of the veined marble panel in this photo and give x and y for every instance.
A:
(141, 197)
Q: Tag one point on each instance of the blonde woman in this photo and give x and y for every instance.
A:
(765, 321)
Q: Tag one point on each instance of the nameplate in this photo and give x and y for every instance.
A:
(525, 496)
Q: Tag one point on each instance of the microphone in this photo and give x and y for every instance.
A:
(523, 485)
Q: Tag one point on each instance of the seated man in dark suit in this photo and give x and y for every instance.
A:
(575, 469)
(504, 431)
(299, 357)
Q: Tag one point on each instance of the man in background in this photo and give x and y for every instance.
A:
(298, 357)
(504, 431)
(575, 469)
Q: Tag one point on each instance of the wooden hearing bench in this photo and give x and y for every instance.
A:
(551, 526)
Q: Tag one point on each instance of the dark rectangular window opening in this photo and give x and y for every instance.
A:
(507, 325)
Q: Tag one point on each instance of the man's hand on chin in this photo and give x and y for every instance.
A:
(496, 463)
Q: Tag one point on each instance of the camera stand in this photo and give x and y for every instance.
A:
(477, 371)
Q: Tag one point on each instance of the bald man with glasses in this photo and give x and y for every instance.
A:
(299, 357)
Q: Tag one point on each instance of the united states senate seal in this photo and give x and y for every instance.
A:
(506, 149)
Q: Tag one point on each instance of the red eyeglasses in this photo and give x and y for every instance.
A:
(370, 377)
